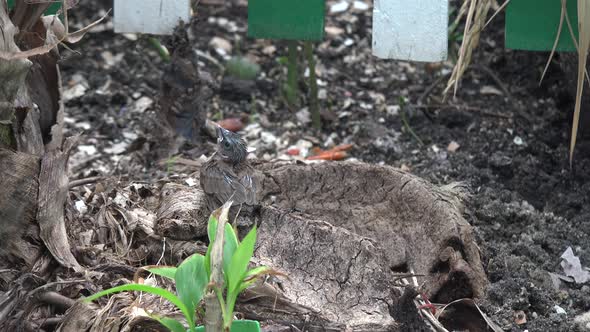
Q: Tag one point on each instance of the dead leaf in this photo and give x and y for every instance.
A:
(329, 155)
(232, 124)
(65, 36)
(572, 267)
(453, 146)
(490, 90)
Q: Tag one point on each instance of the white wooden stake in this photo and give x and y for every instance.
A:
(414, 30)
(158, 17)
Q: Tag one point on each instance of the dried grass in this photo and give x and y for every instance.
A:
(476, 12)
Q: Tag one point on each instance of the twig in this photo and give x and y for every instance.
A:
(431, 87)
(57, 300)
(81, 182)
(505, 90)
(51, 323)
(427, 314)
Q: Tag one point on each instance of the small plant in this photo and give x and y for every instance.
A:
(242, 68)
(290, 88)
(161, 49)
(193, 277)
(406, 122)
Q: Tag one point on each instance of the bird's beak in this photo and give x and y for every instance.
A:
(219, 131)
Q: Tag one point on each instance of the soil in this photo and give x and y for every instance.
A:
(527, 205)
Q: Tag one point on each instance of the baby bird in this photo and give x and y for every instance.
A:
(227, 174)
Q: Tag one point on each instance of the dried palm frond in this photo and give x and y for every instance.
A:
(584, 45)
(476, 12)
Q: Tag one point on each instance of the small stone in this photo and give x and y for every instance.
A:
(74, 92)
(269, 50)
(559, 310)
(81, 206)
(392, 110)
(303, 116)
(111, 60)
(333, 31)
(453, 146)
(267, 137)
(360, 5)
(88, 149)
(583, 321)
(339, 7)
(130, 36)
(222, 21)
(331, 140)
(222, 46)
(142, 104)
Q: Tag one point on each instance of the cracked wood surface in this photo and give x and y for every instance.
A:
(418, 225)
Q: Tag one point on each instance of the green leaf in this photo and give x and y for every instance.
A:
(240, 260)
(172, 324)
(163, 271)
(211, 228)
(251, 277)
(257, 271)
(229, 247)
(208, 261)
(191, 280)
(152, 290)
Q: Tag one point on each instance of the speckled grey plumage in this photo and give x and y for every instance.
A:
(227, 174)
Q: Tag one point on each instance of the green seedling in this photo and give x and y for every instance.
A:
(242, 68)
(406, 123)
(161, 49)
(170, 162)
(291, 89)
(192, 279)
(314, 104)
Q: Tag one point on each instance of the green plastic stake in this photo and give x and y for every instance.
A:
(52, 10)
(240, 326)
(286, 19)
(532, 25)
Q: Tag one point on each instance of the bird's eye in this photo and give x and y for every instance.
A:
(226, 144)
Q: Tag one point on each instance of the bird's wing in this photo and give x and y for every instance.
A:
(224, 183)
(249, 188)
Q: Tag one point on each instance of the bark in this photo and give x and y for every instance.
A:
(31, 115)
(53, 191)
(18, 207)
(178, 205)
